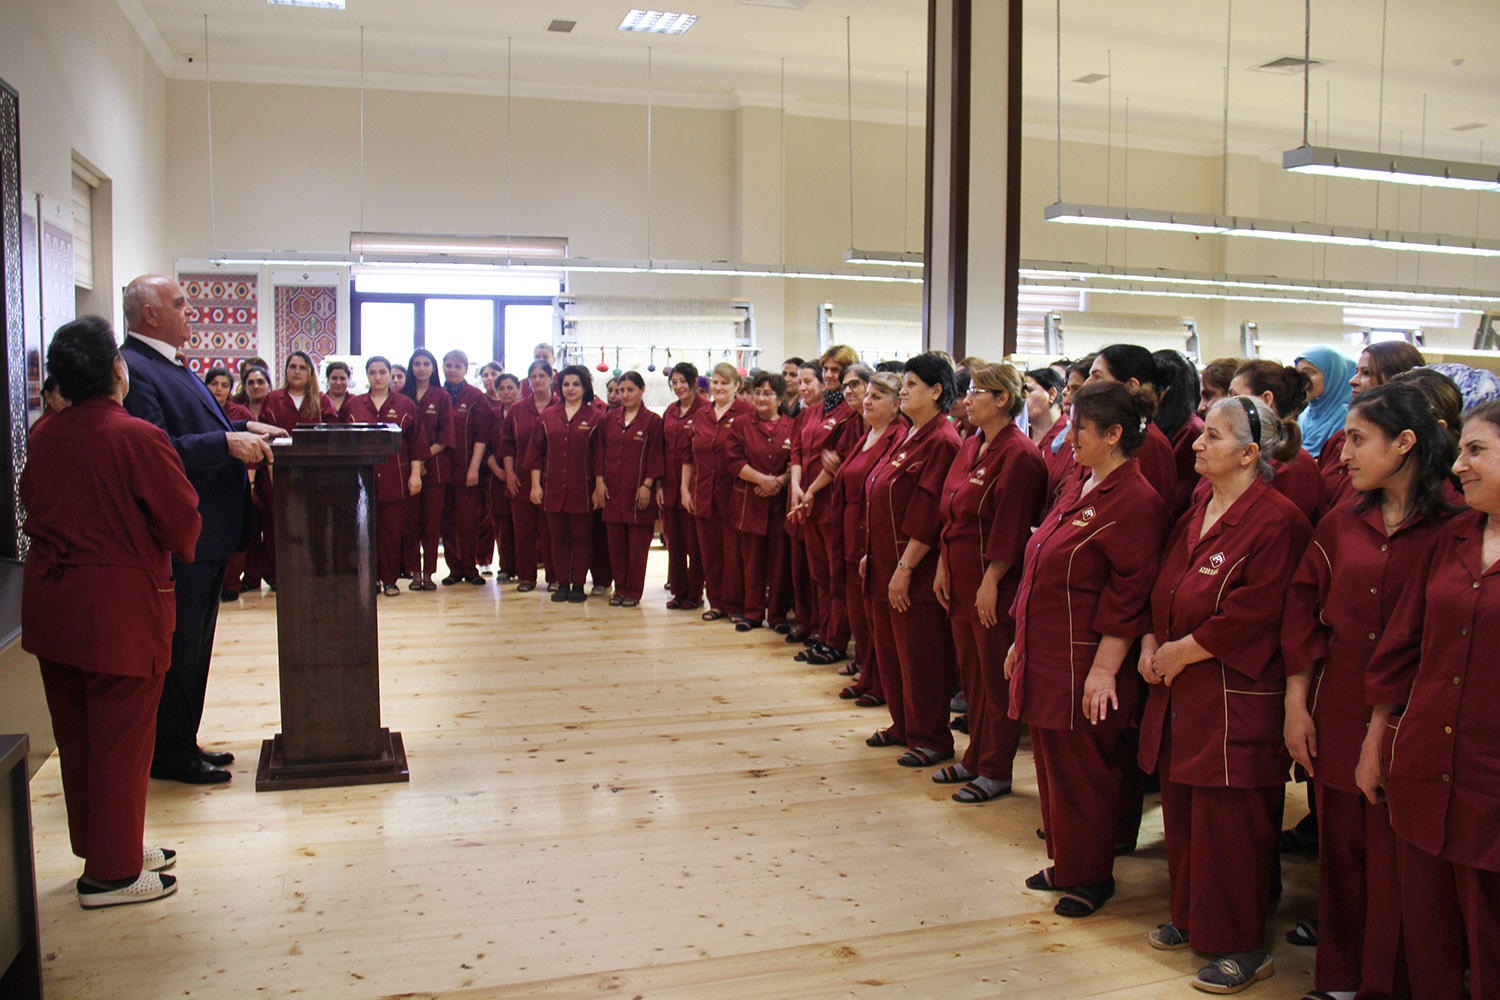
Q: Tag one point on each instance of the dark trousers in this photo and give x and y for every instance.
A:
(501, 526)
(234, 571)
(1447, 906)
(684, 561)
(460, 529)
(993, 735)
(105, 726)
(532, 539)
(390, 529)
(629, 546)
(762, 567)
(1077, 782)
(260, 557)
(572, 545)
(601, 566)
(181, 708)
(424, 521)
(1221, 845)
(923, 661)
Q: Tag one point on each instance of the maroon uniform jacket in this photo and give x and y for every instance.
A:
(707, 438)
(471, 425)
(766, 447)
(817, 432)
(562, 449)
(1298, 480)
(1226, 589)
(1088, 572)
(850, 486)
(107, 503)
(989, 504)
(515, 438)
(1344, 591)
(279, 409)
(677, 445)
(1186, 459)
(1438, 658)
(902, 495)
(234, 411)
(435, 410)
(340, 415)
(626, 456)
(1059, 457)
(394, 471)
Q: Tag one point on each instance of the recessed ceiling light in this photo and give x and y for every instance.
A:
(657, 22)
(321, 4)
(1092, 78)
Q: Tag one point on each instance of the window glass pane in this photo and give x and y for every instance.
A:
(525, 327)
(388, 329)
(467, 325)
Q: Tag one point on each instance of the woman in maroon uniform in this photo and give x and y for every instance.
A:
(1082, 602)
(299, 401)
(759, 451)
(562, 480)
(507, 392)
(1432, 746)
(424, 516)
(336, 377)
(1343, 593)
(260, 554)
(484, 528)
(461, 504)
(629, 463)
(1178, 394)
(1133, 366)
(804, 594)
(1047, 423)
(533, 540)
(992, 496)
(1378, 364)
(822, 439)
(684, 562)
(97, 607)
(220, 382)
(398, 477)
(706, 486)
(884, 426)
(1213, 723)
(901, 531)
(1284, 389)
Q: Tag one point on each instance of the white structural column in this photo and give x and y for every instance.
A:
(972, 236)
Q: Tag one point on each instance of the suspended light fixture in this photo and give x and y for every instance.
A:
(1267, 229)
(1421, 171)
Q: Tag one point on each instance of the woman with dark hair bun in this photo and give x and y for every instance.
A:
(424, 518)
(398, 477)
(97, 607)
(1082, 602)
(992, 496)
(1285, 389)
(1047, 423)
(563, 480)
(629, 464)
(1342, 595)
(1134, 366)
(1177, 416)
(759, 451)
(533, 538)
(1432, 743)
(902, 528)
(1213, 722)
(684, 560)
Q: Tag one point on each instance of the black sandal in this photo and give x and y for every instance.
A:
(713, 615)
(1042, 881)
(1084, 900)
(869, 700)
(883, 738)
(922, 757)
(391, 590)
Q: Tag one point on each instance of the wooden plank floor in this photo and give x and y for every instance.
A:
(603, 802)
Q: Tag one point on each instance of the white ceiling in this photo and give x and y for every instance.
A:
(1165, 56)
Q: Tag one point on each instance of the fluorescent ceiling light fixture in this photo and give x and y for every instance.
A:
(883, 258)
(657, 22)
(1330, 162)
(320, 4)
(438, 246)
(1267, 229)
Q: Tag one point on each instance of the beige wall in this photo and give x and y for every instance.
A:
(88, 86)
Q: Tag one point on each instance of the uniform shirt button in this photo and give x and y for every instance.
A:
(1374, 590)
(1384, 547)
(1448, 730)
(1447, 777)
(1476, 584)
(1464, 630)
(1457, 680)
(1372, 636)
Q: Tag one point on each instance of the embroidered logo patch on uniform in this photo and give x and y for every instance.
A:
(1215, 561)
(1084, 517)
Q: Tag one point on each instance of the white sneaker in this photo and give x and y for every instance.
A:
(146, 887)
(157, 859)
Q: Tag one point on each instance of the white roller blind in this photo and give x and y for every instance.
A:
(84, 183)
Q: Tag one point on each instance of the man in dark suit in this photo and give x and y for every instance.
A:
(214, 452)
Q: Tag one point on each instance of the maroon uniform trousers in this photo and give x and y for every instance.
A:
(561, 450)
(849, 496)
(707, 436)
(502, 527)
(994, 736)
(484, 529)
(1077, 769)
(804, 595)
(572, 545)
(814, 432)
(601, 564)
(861, 626)
(1450, 909)
(472, 417)
(723, 579)
(902, 504)
(105, 726)
(629, 548)
(1359, 898)
(684, 558)
(458, 524)
(1223, 841)
(533, 538)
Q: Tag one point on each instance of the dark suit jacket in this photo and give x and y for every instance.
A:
(173, 398)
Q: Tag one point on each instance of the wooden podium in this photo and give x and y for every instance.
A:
(325, 613)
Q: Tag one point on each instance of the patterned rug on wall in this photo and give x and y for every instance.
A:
(307, 320)
(225, 320)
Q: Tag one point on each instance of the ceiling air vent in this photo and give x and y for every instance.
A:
(562, 26)
(1471, 126)
(1289, 65)
(1092, 78)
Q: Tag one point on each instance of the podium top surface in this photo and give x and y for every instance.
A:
(324, 443)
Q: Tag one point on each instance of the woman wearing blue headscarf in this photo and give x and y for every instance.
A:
(1328, 402)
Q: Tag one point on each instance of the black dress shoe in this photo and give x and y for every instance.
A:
(578, 595)
(216, 758)
(196, 772)
(449, 581)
